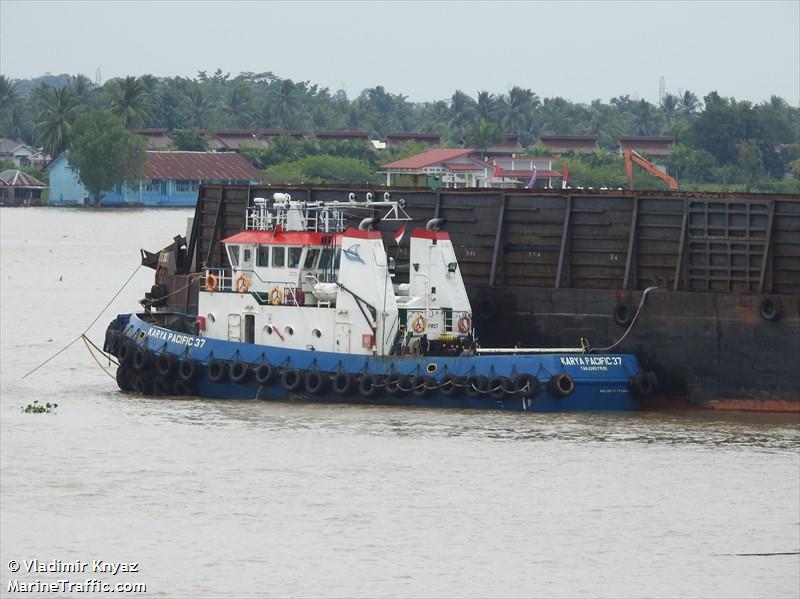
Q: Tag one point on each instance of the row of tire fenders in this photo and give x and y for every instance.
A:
(178, 376)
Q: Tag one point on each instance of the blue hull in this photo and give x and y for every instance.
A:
(598, 382)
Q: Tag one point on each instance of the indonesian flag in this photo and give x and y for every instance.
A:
(498, 172)
(564, 177)
(399, 235)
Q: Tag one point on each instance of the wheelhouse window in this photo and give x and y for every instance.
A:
(311, 258)
(278, 257)
(294, 257)
(247, 258)
(262, 256)
(233, 255)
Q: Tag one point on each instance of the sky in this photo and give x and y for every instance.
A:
(580, 51)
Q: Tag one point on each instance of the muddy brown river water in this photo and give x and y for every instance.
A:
(257, 499)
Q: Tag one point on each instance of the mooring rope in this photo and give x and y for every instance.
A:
(89, 345)
(86, 330)
(630, 326)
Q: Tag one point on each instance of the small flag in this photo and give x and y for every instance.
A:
(498, 172)
(399, 235)
(532, 180)
(564, 177)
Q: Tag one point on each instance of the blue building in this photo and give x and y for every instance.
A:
(171, 179)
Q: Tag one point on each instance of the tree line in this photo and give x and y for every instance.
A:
(721, 141)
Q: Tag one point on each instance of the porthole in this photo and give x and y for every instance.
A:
(431, 368)
(141, 335)
(268, 329)
(316, 333)
(210, 317)
(289, 330)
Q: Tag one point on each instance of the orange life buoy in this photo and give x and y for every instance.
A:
(276, 296)
(211, 282)
(418, 324)
(242, 284)
(464, 324)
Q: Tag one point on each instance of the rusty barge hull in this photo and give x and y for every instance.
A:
(546, 267)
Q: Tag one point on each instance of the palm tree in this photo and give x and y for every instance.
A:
(689, 103)
(519, 108)
(238, 105)
(54, 122)
(129, 98)
(487, 104)
(462, 108)
(81, 86)
(285, 104)
(8, 93)
(644, 117)
(669, 106)
(483, 135)
(198, 105)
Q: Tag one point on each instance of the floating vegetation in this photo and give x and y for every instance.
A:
(37, 408)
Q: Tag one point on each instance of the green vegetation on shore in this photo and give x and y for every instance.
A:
(722, 143)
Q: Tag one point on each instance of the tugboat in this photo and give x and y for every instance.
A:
(310, 310)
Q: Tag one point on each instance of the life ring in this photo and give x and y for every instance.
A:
(418, 324)
(464, 324)
(276, 296)
(211, 282)
(561, 385)
(242, 284)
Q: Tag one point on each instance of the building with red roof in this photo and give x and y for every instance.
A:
(449, 167)
(171, 179)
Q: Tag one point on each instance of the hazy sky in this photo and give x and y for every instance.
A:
(425, 50)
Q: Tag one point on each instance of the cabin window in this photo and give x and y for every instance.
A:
(294, 257)
(247, 258)
(262, 257)
(233, 255)
(182, 185)
(152, 185)
(311, 258)
(278, 257)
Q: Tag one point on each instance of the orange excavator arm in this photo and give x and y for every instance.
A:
(632, 156)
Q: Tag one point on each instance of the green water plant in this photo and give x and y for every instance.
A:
(37, 408)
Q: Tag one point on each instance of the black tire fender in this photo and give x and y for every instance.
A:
(292, 379)
(316, 382)
(770, 309)
(266, 374)
(622, 315)
(239, 372)
(217, 370)
(166, 364)
(368, 385)
(527, 385)
(561, 384)
(142, 359)
(187, 369)
(343, 383)
(452, 385)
